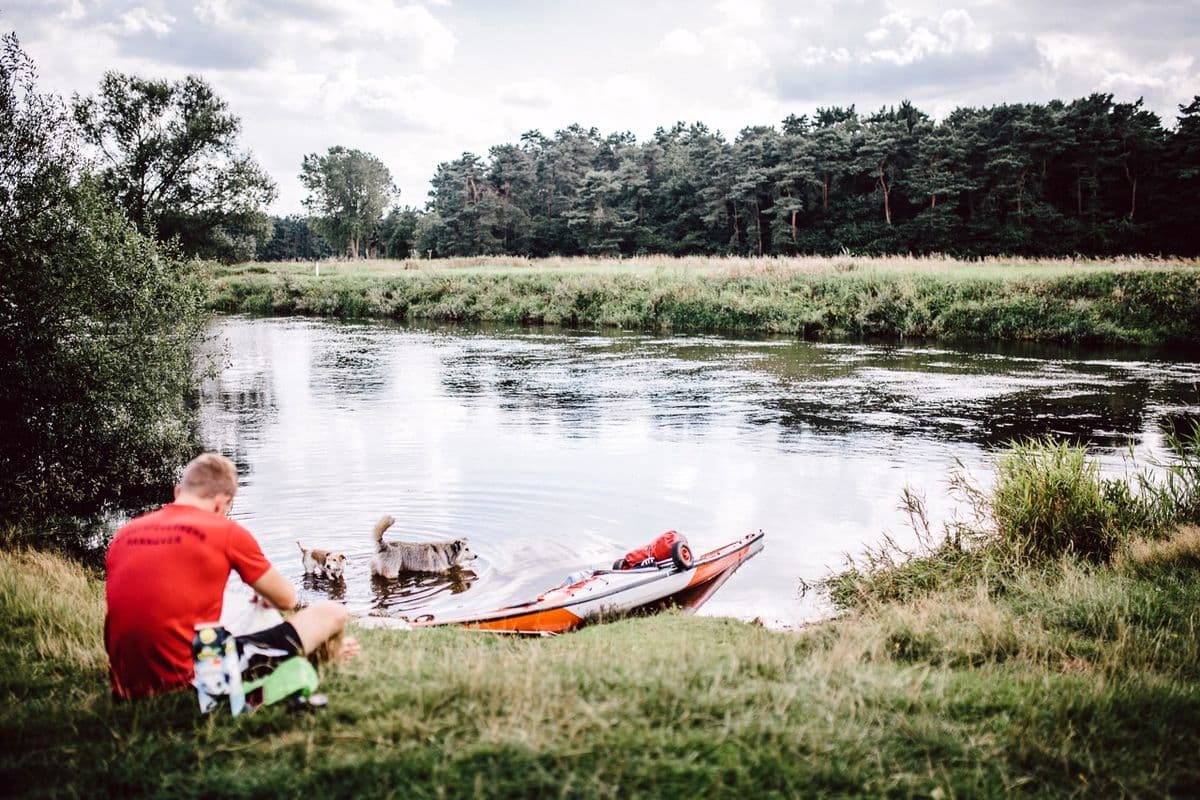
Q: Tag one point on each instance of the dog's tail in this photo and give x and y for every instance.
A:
(300, 545)
(381, 526)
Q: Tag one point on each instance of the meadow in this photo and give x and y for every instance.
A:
(1022, 655)
(1119, 301)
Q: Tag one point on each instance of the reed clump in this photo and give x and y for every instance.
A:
(1049, 502)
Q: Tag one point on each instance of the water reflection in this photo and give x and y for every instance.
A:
(414, 591)
(351, 366)
(326, 587)
(557, 451)
(798, 387)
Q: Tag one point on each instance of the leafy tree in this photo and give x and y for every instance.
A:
(888, 149)
(97, 323)
(1140, 144)
(348, 193)
(1182, 211)
(755, 158)
(170, 159)
(397, 233)
(293, 239)
(686, 209)
(511, 180)
(465, 204)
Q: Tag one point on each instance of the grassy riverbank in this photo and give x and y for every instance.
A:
(1019, 661)
(1086, 680)
(1126, 301)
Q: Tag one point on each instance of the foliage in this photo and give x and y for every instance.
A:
(348, 193)
(97, 323)
(396, 236)
(1093, 176)
(293, 239)
(1049, 500)
(1104, 302)
(170, 159)
(1049, 505)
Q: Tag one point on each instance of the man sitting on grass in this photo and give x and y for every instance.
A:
(167, 572)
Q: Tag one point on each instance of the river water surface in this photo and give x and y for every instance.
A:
(555, 451)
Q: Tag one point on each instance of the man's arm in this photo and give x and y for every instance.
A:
(276, 590)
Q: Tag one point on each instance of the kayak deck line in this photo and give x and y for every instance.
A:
(603, 592)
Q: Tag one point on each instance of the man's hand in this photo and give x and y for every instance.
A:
(350, 648)
(276, 590)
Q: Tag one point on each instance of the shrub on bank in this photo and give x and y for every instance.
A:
(1050, 500)
(1049, 503)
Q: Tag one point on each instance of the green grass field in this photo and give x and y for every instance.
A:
(1125, 301)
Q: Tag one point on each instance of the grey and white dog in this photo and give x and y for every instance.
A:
(392, 558)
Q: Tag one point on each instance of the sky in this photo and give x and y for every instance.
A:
(419, 82)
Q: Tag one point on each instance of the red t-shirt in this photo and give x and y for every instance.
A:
(167, 571)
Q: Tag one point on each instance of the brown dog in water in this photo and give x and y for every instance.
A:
(323, 563)
(392, 558)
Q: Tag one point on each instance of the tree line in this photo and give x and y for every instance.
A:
(1092, 176)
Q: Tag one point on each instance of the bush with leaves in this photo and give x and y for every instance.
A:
(98, 323)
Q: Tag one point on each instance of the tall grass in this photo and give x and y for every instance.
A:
(1103, 302)
(1049, 502)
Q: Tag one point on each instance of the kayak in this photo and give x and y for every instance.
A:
(601, 593)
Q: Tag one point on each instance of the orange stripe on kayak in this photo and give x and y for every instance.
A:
(704, 572)
(555, 620)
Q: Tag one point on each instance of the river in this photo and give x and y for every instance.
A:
(553, 451)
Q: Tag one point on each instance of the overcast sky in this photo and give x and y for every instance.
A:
(417, 83)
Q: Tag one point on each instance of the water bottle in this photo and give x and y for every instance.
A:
(578, 576)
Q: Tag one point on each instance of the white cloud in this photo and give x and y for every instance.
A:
(742, 13)
(1095, 66)
(213, 12)
(139, 20)
(680, 42)
(624, 90)
(410, 26)
(539, 93)
(73, 12)
(742, 54)
(959, 31)
(916, 39)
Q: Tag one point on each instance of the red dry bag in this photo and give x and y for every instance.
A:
(670, 548)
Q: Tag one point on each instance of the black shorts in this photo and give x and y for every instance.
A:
(262, 651)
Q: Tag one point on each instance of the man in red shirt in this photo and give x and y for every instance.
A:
(167, 572)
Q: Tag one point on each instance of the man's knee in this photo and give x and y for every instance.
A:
(338, 615)
(333, 614)
(319, 622)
